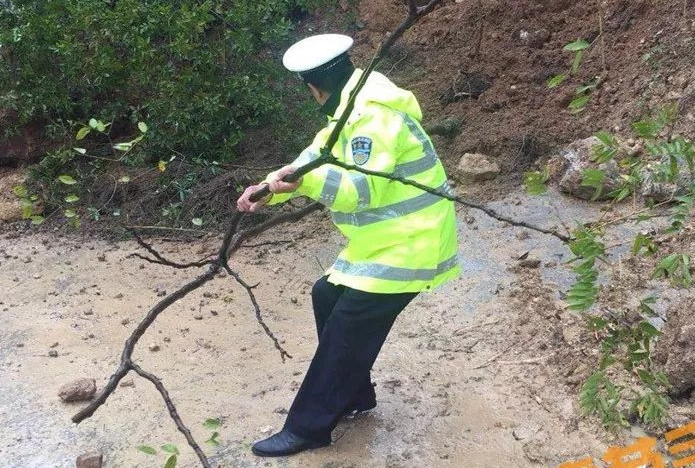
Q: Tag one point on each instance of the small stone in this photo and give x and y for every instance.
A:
(125, 321)
(37, 276)
(154, 347)
(198, 317)
(89, 312)
(280, 410)
(127, 383)
(89, 460)
(474, 167)
(101, 258)
(294, 300)
(213, 312)
(53, 353)
(54, 344)
(118, 296)
(78, 390)
(167, 339)
(530, 263)
(523, 235)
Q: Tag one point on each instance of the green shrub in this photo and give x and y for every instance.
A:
(198, 72)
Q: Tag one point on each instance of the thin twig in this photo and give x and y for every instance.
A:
(249, 290)
(172, 412)
(159, 259)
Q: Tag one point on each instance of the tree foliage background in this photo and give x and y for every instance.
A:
(198, 72)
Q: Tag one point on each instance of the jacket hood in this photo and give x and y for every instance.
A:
(379, 90)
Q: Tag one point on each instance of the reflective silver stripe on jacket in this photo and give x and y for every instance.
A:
(361, 183)
(330, 187)
(396, 210)
(428, 161)
(387, 272)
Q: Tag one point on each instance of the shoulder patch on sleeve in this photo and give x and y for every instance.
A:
(361, 149)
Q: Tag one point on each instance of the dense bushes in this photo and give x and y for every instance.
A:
(198, 72)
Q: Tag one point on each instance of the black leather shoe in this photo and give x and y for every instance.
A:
(284, 443)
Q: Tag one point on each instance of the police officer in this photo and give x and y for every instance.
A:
(400, 240)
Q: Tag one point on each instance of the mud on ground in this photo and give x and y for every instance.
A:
(470, 376)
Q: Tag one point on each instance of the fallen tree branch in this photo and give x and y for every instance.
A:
(232, 241)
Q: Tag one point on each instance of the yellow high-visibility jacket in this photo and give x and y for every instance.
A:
(400, 238)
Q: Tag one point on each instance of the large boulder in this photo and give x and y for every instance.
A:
(577, 159)
(675, 351)
(474, 167)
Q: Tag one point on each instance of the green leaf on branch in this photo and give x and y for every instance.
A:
(535, 181)
(213, 439)
(645, 306)
(577, 61)
(67, 180)
(147, 449)
(212, 423)
(606, 149)
(171, 462)
(644, 242)
(37, 219)
(197, 221)
(71, 198)
(676, 268)
(70, 213)
(578, 104)
(576, 46)
(594, 178)
(142, 126)
(170, 448)
(556, 80)
(83, 132)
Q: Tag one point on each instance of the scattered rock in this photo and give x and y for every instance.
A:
(448, 127)
(534, 39)
(89, 460)
(465, 86)
(89, 312)
(55, 344)
(530, 263)
(294, 300)
(127, 383)
(578, 158)
(78, 390)
(125, 321)
(101, 257)
(154, 347)
(198, 317)
(474, 167)
(658, 190)
(53, 353)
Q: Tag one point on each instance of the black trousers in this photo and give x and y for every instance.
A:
(352, 326)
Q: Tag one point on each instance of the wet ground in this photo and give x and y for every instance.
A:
(455, 386)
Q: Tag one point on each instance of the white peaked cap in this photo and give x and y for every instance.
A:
(315, 51)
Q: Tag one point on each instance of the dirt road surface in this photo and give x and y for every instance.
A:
(457, 384)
